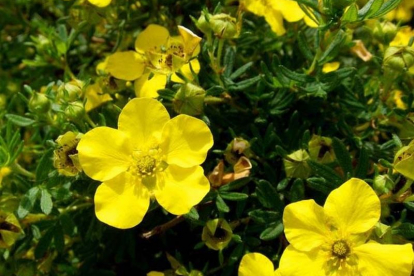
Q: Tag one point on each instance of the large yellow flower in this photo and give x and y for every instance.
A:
(157, 55)
(332, 240)
(256, 264)
(275, 11)
(149, 155)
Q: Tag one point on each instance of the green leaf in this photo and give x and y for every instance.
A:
(272, 232)
(295, 76)
(386, 8)
(333, 48)
(46, 203)
(320, 184)
(343, 156)
(362, 167)
(268, 196)
(244, 84)
(261, 216)
(59, 238)
(234, 185)
(241, 70)
(405, 229)
(351, 15)
(221, 205)
(233, 196)
(20, 120)
(192, 215)
(370, 8)
(304, 46)
(27, 202)
(44, 166)
(44, 243)
(297, 191)
(325, 172)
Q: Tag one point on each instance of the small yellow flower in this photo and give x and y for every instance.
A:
(403, 36)
(333, 240)
(65, 157)
(10, 229)
(149, 155)
(275, 11)
(95, 97)
(331, 67)
(4, 171)
(253, 264)
(157, 55)
(100, 3)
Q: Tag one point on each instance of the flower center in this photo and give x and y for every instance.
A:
(147, 163)
(340, 249)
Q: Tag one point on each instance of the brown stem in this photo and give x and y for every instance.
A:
(163, 227)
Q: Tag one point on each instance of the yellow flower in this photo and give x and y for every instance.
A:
(275, 11)
(65, 158)
(333, 240)
(95, 97)
(257, 264)
(100, 3)
(404, 11)
(403, 36)
(157, 55)
(149, 155)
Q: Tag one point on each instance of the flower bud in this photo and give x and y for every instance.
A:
(10, 229)
(404, 161)
(65, 157)
(70, 91)
(3, 101)
(236, 148)
(189, 100)
(75, 111)
(383, 184)
(39, 103)
(398, 58)
(224, 26)
(217, 234)
(296, 164)
(203, 25)
(4, 171)
(320, 149)
(385, 32)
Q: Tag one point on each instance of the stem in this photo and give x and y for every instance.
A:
(20, 170)
(89, 120)
(219, 54)
(163, 227)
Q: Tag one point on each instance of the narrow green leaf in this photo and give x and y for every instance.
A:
(325, 172)
(221, 205)
(386, 8)
(234, 185)
(44, 243)
(304, 46)
(244, 84)
(241, 70)
(264, 217)
(370, 8)
(272, 232)
(342, 155)
(233, 196)
(405, 229)
(362, 167)
(44, 166)
(58, 238)
(333, 48)
(295, 76)
(268, 196)
(351, 15)
(320, 184)
(20, 120)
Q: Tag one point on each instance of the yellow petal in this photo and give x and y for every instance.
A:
(304, 223)
(100, 3)
(95, 97)
(330, 67)
(354, 206)
(152, 38)
(121, 202)
(155, 273)
(143, 120)
(275, 20)
(147, 88)
(190, 39)
(256, 264)
(376, 259)
(104, 153)
(125, 65)
(255, 6)
(185, 141)
(179, 189)
(289, 9)
(310, 22)
(186, 71)
(297, 263)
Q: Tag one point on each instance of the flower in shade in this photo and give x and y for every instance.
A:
(100, 3)
(157, 56)
(257, 264)
(333, 240)
(276, 11)
(148, 156)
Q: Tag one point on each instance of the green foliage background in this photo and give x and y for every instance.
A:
(263, 94)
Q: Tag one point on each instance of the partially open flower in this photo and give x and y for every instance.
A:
(320, 149)
(360, 50)
(65, 157)
(296, 164)
(404, 161)
(240, 170)
(217, 234)
(237, 148)
(10, 229)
